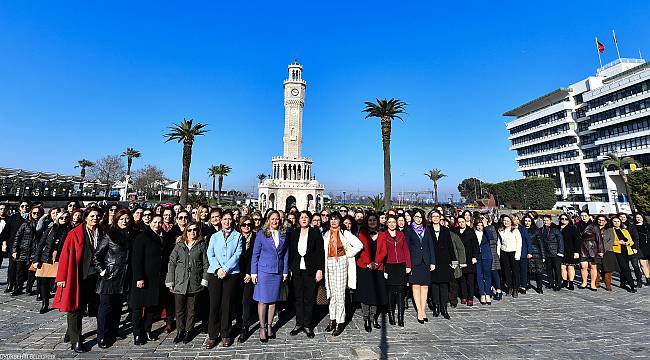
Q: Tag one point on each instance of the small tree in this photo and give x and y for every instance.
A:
(83, 164)
(620, 164)
(639, 182)
(261, 177)
(130, 154)
(435, 175)
(377, 202)
(108, 169)
(471, 189)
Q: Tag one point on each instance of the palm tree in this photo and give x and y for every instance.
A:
(377, 203)
(386, 111)
(435, 175)
(185, 132)
(613, 161)
(130, 153)
(222, 170)
(261, 177)
(83, 164)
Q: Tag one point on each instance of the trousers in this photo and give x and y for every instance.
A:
(439, 293)
(304, 285)
(185, 305)
(484, 276)
(108, 315)
(510, 269)
(554, 271)
(337, 273)
(222, 293)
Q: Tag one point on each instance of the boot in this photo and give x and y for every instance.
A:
(366, 324)
(608, 281)
(639, 283)
(10, 288)
(391, 316)
(570, 285)
(44, 307)
(598, 278)
(375, 322)
(436, 310)
(392, 299)
(338, 330)
(400, 309)
(443, 311)
(331, 326)
(78, 347)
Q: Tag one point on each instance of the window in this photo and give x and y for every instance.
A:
(539, 122)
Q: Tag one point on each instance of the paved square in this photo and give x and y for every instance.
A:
(576, 324)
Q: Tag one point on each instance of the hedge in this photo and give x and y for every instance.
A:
(528, 193)
(639, 183)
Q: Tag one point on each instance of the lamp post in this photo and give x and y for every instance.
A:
(615, 200)
(344, 198)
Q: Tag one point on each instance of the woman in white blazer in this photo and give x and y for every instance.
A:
(341, 246)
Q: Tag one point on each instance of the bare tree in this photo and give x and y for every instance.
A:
(148, 179)
(108, 169)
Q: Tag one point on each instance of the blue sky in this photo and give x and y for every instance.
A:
(89, 79)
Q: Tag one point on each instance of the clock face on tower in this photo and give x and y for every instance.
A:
(295, 92)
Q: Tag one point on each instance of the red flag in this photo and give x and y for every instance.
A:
(600, 46)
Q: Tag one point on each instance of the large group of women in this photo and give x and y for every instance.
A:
(215, 267)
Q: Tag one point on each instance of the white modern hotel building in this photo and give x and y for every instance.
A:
(566, 134)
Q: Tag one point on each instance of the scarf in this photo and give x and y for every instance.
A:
(419, 229)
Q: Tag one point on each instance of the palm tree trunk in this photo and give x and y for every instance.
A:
(83, 172)
(627, 188)
(129, 162)
(214, 178)
(220, 186)
(435, 190)
(385, 140)
(185, 177)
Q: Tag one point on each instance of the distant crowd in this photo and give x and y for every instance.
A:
(222, 271)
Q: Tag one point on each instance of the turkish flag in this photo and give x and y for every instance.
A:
(600, 46)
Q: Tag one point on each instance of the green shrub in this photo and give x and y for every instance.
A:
(529, 193)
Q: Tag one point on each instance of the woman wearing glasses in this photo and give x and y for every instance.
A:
(307, 263)
(224, 252)
(49, 251)
(269, 268)
(623, 248)
(572, 244)
(24, 251)
(257, 221)
(111, 260)
(187, 274)
(248, 304)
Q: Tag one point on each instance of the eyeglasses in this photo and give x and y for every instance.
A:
(564, 219)
(35, 212)
(24, 206)
(112, 209)
(246, 225)
(257, 219)
(193, 230)
(182, 218)
(146, 214)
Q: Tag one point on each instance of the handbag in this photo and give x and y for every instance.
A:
(284, 291)
(48, 270)
(321, 295)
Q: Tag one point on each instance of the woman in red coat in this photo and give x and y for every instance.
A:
(397, 268)
(371, 284)
(77, 277)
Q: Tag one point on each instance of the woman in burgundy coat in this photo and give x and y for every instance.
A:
(396, 268)
(77, 277)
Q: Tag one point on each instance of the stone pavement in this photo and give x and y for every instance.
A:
(576, 324)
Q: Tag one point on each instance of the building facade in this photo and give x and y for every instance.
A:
(567, 133)
(292, 182)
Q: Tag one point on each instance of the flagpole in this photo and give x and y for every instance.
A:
(598, 51)
(616, 43)
(640, 56)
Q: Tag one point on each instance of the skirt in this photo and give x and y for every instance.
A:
(609, 262)
(267, 289)
(396, 274)
(420, 275)
(371, 287)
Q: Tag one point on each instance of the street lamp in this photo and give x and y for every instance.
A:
(615, 200)
(344, 197)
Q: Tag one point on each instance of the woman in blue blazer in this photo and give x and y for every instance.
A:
(224, 251)
(423, 260)
(269, 268)
(484, 264)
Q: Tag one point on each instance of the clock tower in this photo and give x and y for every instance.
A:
(292, 182)
(294, 101)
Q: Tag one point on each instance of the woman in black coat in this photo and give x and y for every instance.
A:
(536, 266)
(49, 251)
(572, 244)
(249, 308)
(146, 262)
(111, 260)
(423, 261)
(446, 261)
(307, 263)
(472, 253)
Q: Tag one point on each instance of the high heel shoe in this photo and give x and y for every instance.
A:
(265, 338)
(270, 332)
